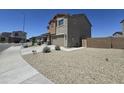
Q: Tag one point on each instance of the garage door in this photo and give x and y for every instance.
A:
(58, 40)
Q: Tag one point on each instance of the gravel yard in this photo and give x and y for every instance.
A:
(87, 65)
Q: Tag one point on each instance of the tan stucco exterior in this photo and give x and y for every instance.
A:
(74, 28)
(122, 27)
(52, 27)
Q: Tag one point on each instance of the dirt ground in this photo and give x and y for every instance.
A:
(84, 66)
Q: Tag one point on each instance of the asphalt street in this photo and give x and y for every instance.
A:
(4, 46)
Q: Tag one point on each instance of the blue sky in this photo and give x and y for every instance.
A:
(105, 22)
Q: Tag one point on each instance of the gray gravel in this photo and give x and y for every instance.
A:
(87, 65)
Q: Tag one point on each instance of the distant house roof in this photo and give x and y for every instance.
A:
(19, 32)
(122, 21)
(67, 15)
(5, 34)
(56, 16)
(84, 17)
(119, 33)
(45, 34)
(40, 36)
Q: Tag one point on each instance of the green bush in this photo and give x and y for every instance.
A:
(46, 50)
(39, 43)
(33, 41)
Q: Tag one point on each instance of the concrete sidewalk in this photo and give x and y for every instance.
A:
(14, 69)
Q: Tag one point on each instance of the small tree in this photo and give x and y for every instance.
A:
(33, 41)
(39, 43)
(2, 39)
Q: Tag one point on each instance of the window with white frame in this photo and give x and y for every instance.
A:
(60, 22)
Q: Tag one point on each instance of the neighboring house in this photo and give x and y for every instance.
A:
(42, 37)
(38, 38)
(122, 23)
(18, 36)
(4, 37)
(120, 34)
(13, 37)
(69, 30)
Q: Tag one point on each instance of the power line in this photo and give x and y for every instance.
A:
(24, 22)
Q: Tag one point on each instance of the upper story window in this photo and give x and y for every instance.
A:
(16, 34)
(61, 22)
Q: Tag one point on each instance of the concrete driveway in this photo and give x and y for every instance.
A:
(14, 70)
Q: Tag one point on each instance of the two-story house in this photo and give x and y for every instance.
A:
(18, 36)
(69, 30)
(4, 36)
(13, 37)
(122, 23)
(120, 34)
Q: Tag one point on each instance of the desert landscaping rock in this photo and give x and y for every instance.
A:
(86, 65)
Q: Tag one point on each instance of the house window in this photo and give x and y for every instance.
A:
(16, 34)
(61, 22)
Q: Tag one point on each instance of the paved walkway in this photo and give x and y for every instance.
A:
(13, 69)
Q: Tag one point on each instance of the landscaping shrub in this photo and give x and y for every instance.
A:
(46, 50)
(33, 41)
(25, 46)
(57, 47)
(39, 43)
(34, 51)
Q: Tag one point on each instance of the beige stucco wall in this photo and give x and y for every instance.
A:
(63, 29)
(52, 28)
(122, 24)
